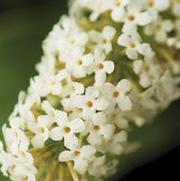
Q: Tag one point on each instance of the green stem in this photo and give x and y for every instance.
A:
(72, 171)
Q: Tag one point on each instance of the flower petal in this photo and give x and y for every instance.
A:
(56, 134)
(38, 141)
(61, 117)
(124, 40)
(108, 66)
(71, 141)
(108, 131)
(101, 104)
(132, 53)
(77, 125)
(94, 139)
(65, 156)
(80, 165)
(124, 86)
(88, 151)
(125, 103)
(92, 92)
(108, 32)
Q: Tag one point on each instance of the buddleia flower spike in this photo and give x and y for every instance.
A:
(106, 67)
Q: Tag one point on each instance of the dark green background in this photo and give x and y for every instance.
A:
(23, 26)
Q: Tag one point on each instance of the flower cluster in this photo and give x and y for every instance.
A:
(102, 69)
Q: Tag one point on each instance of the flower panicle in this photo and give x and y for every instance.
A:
(107, 66)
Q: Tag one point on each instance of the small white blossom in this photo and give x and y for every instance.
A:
(19, 166)
(115, 145)
(101, 167)
(176, 8)
(101, 67)
(48, 84)
(24, 168)
(90, 102)
(136, 15)
(160, 30)
(103, 39)
(15, 139)
(117, 117)
(40, 131)
(99, 129)
(118, 9)
(147, 72)
(159, 5)
(118, 94)
(81, 156)
(79, 63)
(71, 87)
(96, 8)
(67, 129)
(134, 46)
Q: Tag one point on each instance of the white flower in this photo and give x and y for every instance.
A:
(99, 129)
(103, 39)
(40, 130)
(48, 84)
(15, 139)
(81, 156)
(159, 29)
(19, 166)
(22, 112)
(51, 115)
(98, 167)
(46, 65)
(166, 83)
(134, 46)
(24, 167)
(90, 102)
(101, 67)
(79, 63)
(102, 167)
(71, 87)
(97, 7)
(176, 7)
(117, 117)
(115, 145)
(129, 29)
(160, 5)
(147, 71)
(118, 94)
(136, 15)
(67, 129)
(64, 37)
(6, 160)
(118, 9)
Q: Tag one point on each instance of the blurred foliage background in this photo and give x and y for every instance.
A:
(23, 26)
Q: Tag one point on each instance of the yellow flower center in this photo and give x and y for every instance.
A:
(89, 103)
(116, 94)
(67, 129)
(96, 127)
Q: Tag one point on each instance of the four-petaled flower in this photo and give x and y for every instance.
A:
(104, 39)
(101, 67)
(134, 46)
(99, 129)
(118, 94)
(81, 156)
(90, 102)
(67, 129)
